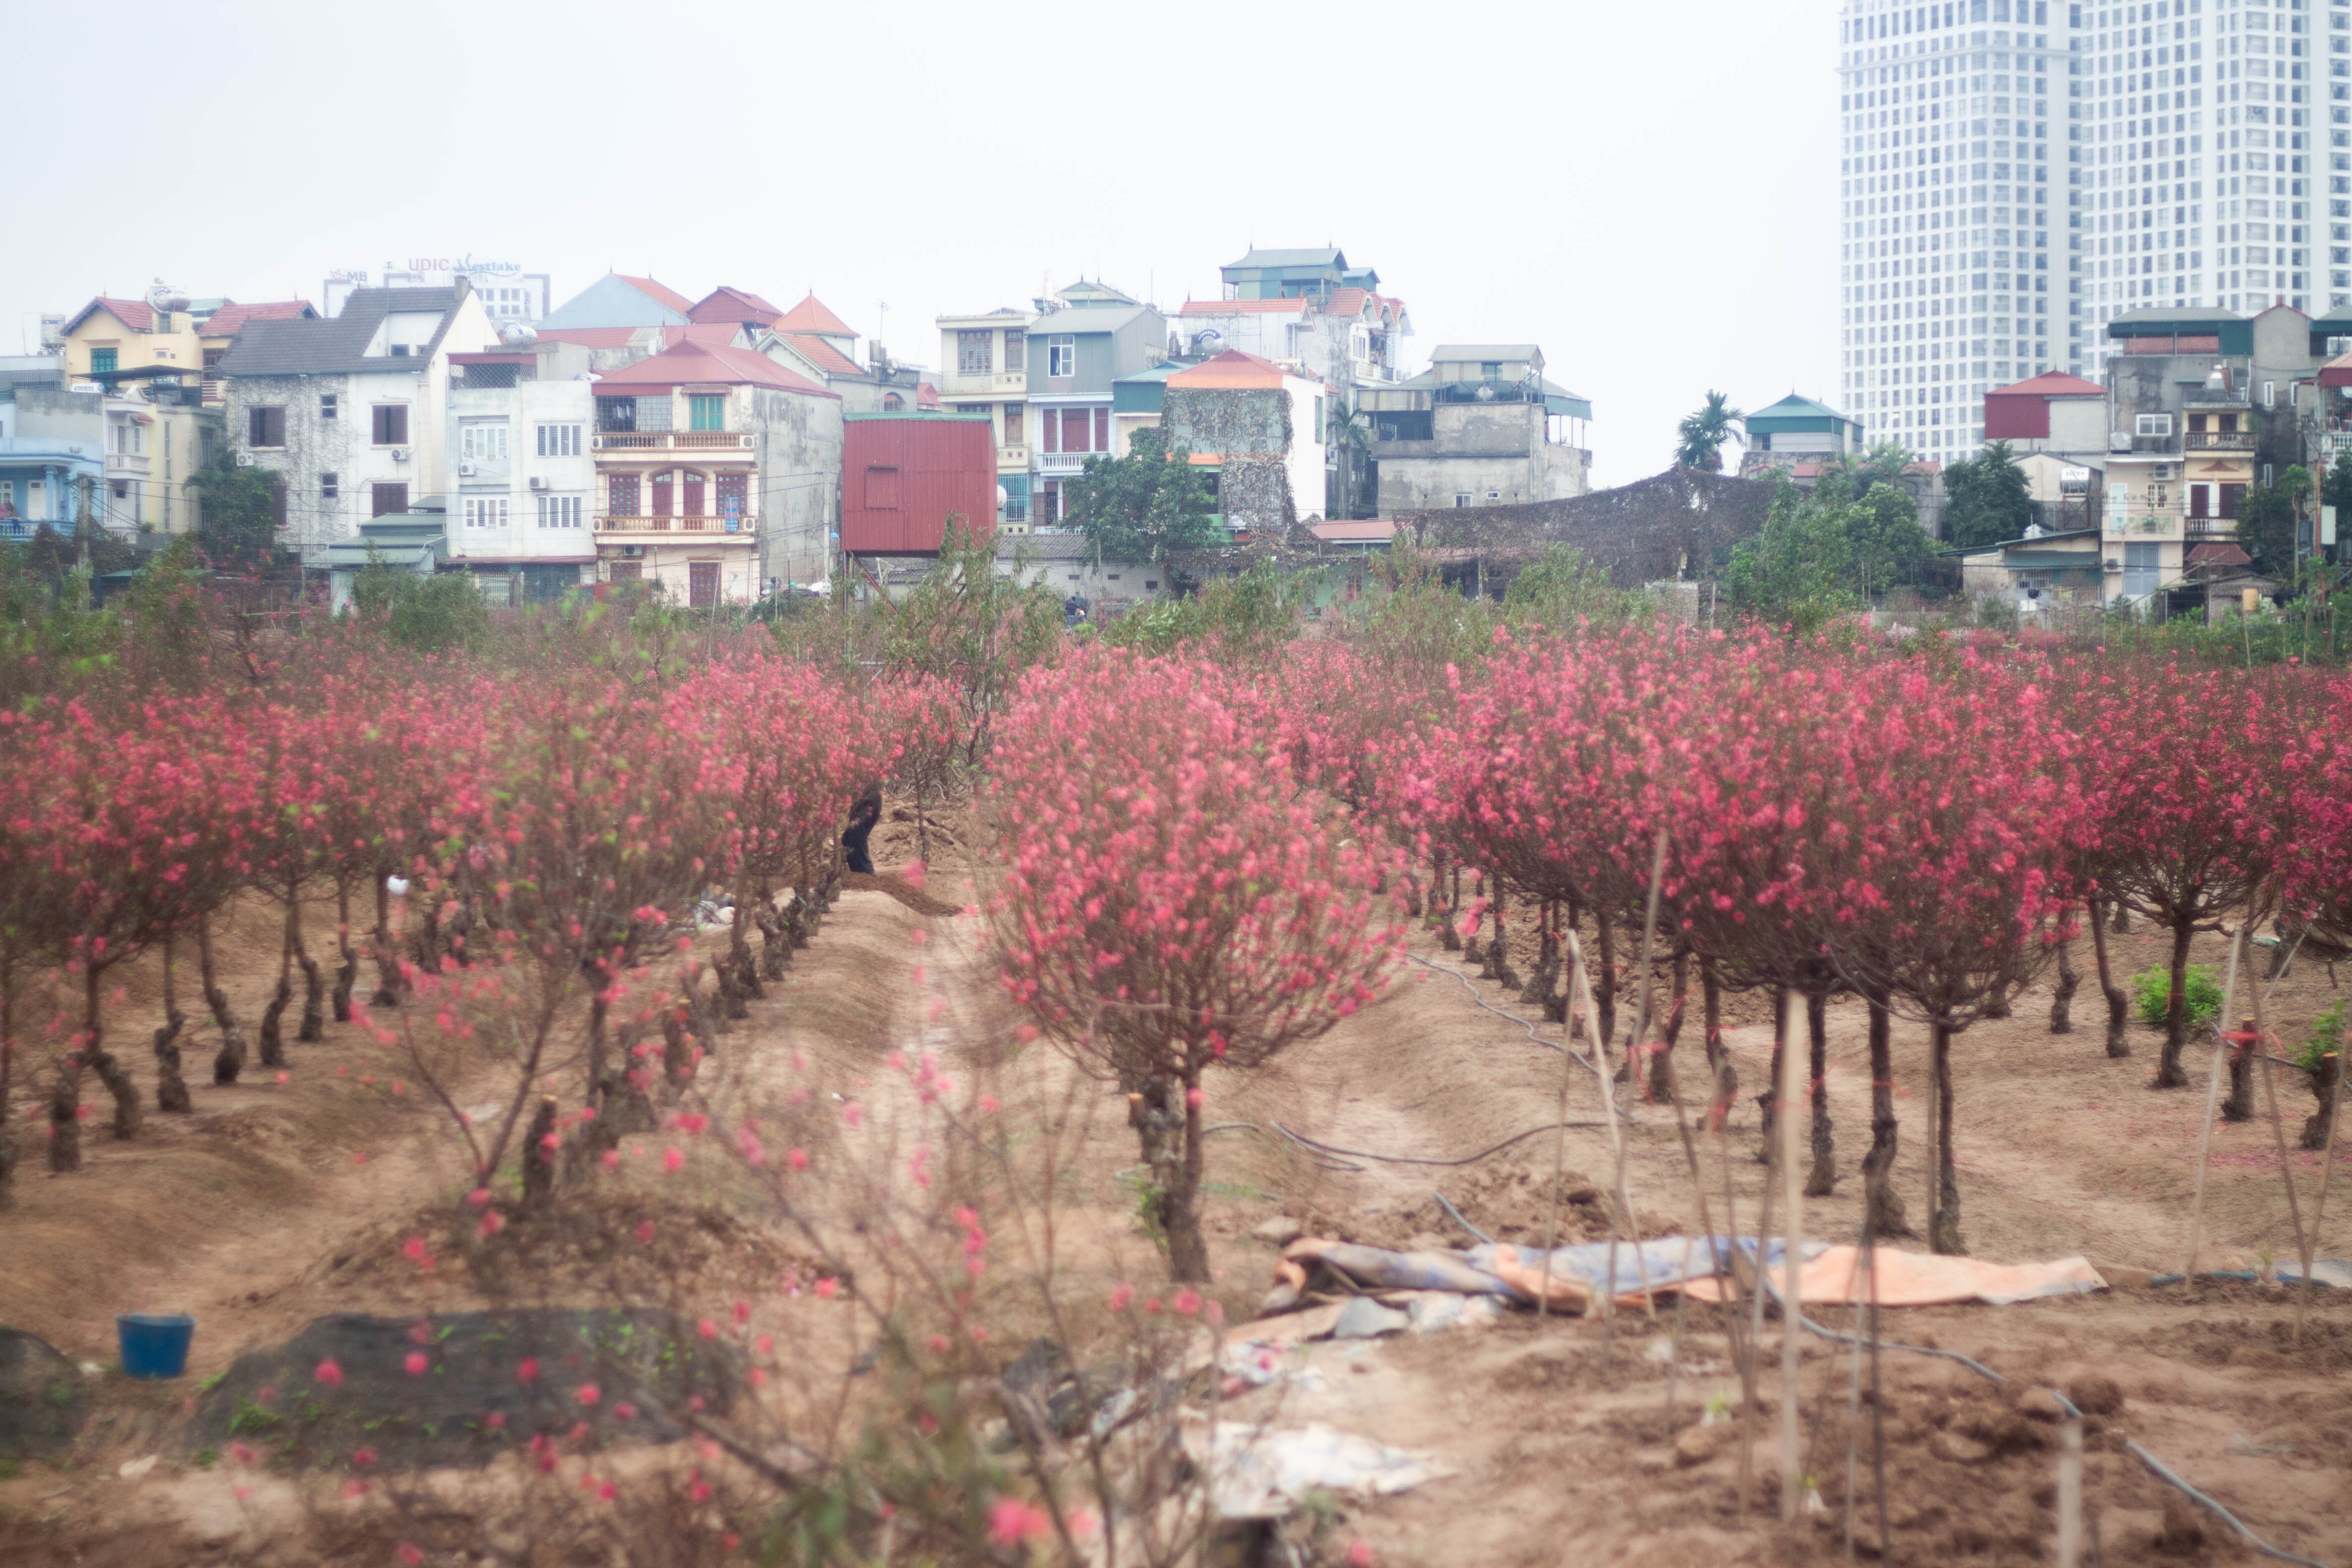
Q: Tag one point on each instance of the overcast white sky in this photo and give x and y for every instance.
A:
(1647, 190)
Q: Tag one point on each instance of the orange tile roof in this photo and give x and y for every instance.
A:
(2051, 384)
(811, 316)
(1231, 368)
(1242, 307)
(661, 292)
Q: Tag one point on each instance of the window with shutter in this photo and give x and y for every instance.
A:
(391, 424)
(1102, 430)
(265, 426)
(623, 495)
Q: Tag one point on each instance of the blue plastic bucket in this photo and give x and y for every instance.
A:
(154, 1345)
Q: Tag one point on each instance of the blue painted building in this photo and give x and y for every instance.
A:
(52, 454)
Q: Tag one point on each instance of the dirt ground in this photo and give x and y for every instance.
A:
(274, 1204)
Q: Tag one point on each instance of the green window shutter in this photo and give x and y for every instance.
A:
(101, 362)
(708, 413)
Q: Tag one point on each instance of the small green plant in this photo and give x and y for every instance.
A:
(10, 1469)
(249, 1416)
(207, 1457)
(2326, 1035)
(2152, 996)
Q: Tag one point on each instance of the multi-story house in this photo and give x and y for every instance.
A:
(52, 454)
(1795, 430)
(1308, 308)
(1258, 429)
(984, 369)
(718, 474)
(1087, 337)
(809, 338)
(1480, 427)
(617, 299)
(350, 413)
(162, 335)
(2201, 405)
(521, 513)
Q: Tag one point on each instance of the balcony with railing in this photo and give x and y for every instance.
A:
(624, 442)
(984, 384)
(2203, 529)
(728, 531)
(1013, 455)
(2123, 443)
(2219, 440)
(1066, 462)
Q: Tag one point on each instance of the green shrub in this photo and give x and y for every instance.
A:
(2152, 996)
(2326, 1035)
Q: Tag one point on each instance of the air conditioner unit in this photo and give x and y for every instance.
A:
(465, 471)
(2114, 565)
(539, 481)
(633, 550)
(400, 453)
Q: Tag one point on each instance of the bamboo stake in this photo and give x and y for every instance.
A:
(1560, 1158)
(1791, 1295)
(2327, 1177)
(2278, 1129)
(2070, 1494)
(1649, 936)
(1622, 1221)
(2212, 1099)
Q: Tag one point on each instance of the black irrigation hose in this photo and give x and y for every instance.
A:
(1317, 1146)
(1581, 1059)
(2155, 1465)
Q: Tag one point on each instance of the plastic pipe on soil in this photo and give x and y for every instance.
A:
(2212, 1099)
(1792, 1194)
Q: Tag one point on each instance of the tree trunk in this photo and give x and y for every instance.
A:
(1604, 995)
(1539, 986)
(230, 1062)
(387, 960)
(1168, 1129)
(2118, 1005)
(2062, 998)
(1768, 1103)
(1719, 1058)
(1822, 1180)
(678, 1049)
(1449, 934)
(101, 1061)
(65, 1117)
(2122, 919)
(7, 1081)
(1661, 1060)
(314, 985)
(1945, 1237)
(347, 973)
(738, 946)
(1886, 1215)
(538, 1159)
(171, 1084)
(2315, 1127)
(2175, 1013)
(273, 1039)
(2240, 1105)
(1499, 946)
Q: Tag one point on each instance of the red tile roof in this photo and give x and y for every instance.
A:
(1346, 302)
(926, 395)
(692, 361)
(811, 316)
(2223, 554)
(725, 304)
(231, 318)
(2050, 383)
(661, 292)
(715, 334)
(821, 355)
(132, 313)
(1241, 307)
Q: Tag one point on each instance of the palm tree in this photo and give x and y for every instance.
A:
(1351, 435)
(1703, 433)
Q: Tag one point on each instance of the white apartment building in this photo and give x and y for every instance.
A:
(2016, 174)
(1959, 208)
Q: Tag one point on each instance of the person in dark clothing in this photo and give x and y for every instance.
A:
(861, 818)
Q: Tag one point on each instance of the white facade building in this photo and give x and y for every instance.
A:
(2016, 174)
(522, 514)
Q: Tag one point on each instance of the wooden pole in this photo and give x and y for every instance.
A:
(2326, 1178)
(1622, 1221)
(2070, 1494)
(2269, 1070)
(1792, 1194)
(2213, 1099)
(1649, 936)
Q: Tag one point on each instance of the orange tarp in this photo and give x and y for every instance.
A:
(1923, 1280)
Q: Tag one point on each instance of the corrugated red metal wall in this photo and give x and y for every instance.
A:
(2016, 416)
(902, 476)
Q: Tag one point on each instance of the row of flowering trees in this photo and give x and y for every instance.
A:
(552, 830)
(1921, 828)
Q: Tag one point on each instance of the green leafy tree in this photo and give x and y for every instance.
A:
(1563, 589)
(1242, 620)
(239, 531)
(2336, 487)
(1701, 434)
(2267, 522)
(1145, 505)
(1351, 436)
(1986, 499)
(1885, 546)
(428, 614)
(1795, 573)
(1884, 463)
(970, 626)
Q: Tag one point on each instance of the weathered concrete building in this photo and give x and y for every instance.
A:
(1674, 526)
(1258, 429)
(349, 413)
(984, 369)
(1480, 427)
(520, 515)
